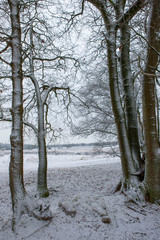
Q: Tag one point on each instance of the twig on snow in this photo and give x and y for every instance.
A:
(37, 230)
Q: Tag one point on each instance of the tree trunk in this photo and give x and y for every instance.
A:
(129, 98)
(127, 160)
(16, 163)
(42, 152)
(152, 169)
(21, 202)
(128, 166)
(42, 168)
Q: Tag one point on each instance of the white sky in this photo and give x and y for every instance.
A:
(5, 130)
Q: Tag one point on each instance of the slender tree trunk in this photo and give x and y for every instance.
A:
(152, 169)
(42, 152)
(42, 168)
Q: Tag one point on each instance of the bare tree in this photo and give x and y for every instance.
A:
(39, 56)
(21, 202)
(126, 122)
(37, 48)
(92, 108)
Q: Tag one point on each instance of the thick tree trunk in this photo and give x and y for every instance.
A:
(152, 169)
(128, 150)
(129, 98)
(128, 165)
(16, 162)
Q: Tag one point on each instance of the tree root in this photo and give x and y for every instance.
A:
(43, 192)
(136, 210)
(126, 185)
(36, 209)
(118, 187)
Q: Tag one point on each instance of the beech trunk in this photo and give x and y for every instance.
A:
(21, 202)
(42, 152)
(16, 161)
(152, 169)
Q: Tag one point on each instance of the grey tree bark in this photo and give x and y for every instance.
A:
(129, 99)
(42, 152)
(16, 163)
(127, 162)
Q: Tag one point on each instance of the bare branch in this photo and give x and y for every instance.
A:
(3, 77)
(84, 103)
(78, 14)
(101, 5)
(6, 47)
(56, 58)
(131, 12)
(147, 74)
(53, 88)
(146, 41)
(5, 61)
(24, 122)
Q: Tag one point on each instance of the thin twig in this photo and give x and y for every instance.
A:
(135, 210)
(37, 230)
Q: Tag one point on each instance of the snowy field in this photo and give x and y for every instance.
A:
(81, 201)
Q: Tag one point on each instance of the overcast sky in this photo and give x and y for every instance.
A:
(5, 131)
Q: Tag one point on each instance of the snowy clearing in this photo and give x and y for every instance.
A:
(81, 202)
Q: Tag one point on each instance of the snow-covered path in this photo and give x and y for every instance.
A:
(81, 200)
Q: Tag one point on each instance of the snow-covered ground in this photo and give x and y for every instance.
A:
(81, 201)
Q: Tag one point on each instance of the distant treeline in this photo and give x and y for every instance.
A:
(6, 146)
(100, 144)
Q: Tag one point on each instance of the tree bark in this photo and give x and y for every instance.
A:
(42, 152)
(129, 98)
(152, 169)
(16, 161)
(126, 157)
